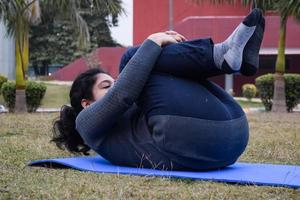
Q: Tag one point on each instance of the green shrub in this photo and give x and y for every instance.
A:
(8, 91)
(265, 86)
(3, 79)
(249, 91)
(292, 90)
(34, 94)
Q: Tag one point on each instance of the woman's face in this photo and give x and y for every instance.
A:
(103, 83)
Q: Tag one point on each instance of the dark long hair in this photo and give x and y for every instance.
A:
(65, 136)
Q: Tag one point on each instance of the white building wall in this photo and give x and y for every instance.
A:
(229, 83)
(7, 54)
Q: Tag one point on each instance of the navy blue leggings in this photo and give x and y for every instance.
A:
(178, 84)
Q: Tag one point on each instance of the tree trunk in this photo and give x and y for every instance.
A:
(21, 67)
(20, 106)
(279, 104)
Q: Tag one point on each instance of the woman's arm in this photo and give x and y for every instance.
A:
(132, 50)
(94, 121)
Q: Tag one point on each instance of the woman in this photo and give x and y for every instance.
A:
(161, 112)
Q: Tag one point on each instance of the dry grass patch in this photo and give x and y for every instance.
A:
(273, 138)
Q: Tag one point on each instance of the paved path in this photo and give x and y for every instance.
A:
(57, 82)
(39, 110)
(256, 100)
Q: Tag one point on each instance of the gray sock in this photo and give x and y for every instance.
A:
(232, 48)
(219, 51)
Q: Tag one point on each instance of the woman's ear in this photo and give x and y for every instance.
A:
(85, 103)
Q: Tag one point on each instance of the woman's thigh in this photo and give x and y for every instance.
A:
(165, 94)
(191, 59)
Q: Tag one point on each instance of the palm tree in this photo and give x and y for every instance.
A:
(284, 8)
(19, 15)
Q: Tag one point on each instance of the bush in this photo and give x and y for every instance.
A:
(8, 91)
(292, 90)
(249, 91)
(2, 80)
(34, 94)
(265, 86)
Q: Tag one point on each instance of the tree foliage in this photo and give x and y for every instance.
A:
(19, 15)
(54, 41)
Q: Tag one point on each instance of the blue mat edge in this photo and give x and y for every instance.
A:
(241, 182)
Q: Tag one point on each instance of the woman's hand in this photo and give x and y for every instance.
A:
(168, 37)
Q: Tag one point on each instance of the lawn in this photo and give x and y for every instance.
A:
(24, 137)
(250, 104)
(56, 96)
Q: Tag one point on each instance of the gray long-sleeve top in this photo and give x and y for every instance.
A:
(94, 122)
(110, 126)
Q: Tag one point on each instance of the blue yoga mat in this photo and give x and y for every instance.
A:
(242, 173)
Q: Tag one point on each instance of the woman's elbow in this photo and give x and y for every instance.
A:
(90, 133)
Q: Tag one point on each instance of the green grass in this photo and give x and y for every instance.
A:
(56, 96)
(250, 104)
(24, 137)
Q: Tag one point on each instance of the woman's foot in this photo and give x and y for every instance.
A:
(250, 62)
(240, 51)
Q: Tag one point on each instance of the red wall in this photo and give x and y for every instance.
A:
(219, 28)
(69, 72)
(208, 20)
(153, 15)
(108, 57)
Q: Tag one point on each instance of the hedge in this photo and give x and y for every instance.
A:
(8, 91)
(34, 94)
(3, 79)
(249, 91)
(265, 86)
